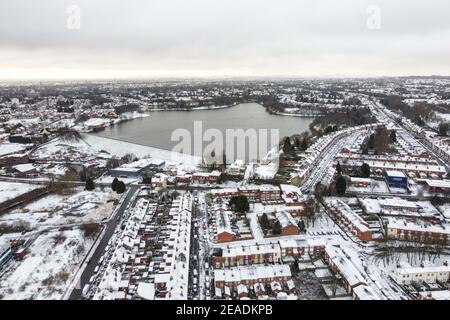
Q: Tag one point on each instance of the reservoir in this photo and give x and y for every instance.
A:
(156, 129)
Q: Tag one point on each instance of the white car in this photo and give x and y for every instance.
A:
(85, 290)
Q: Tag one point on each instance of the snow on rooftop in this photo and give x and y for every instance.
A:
(345, 265)
(146, 290)
(396, 174)
(412, 226)
(24, 167)
(438, 183)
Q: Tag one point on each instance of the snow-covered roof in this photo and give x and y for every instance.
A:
(146, 290)
(395, 174)
(256, 272)
(285, 219)
(365, 292)
(345, 210)
(345, 265)
(420, 270)
(445, 184)
(411, 226)
(24, 168)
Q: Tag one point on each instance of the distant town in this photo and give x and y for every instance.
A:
(354, 205)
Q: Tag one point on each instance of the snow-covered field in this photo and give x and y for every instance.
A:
(8, 148)
(401, 253)
(54, 209)
(60, 150)
(11, 190)
(121, 148)
(52, 261)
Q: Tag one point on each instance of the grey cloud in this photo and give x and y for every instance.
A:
(264, 37)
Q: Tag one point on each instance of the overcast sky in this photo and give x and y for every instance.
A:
(215, 38)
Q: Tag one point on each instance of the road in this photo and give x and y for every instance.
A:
(193, 255)
(110, 226)
(204, 249)
(326, 159)
(412, 136)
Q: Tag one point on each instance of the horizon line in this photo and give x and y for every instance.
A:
(223, 77)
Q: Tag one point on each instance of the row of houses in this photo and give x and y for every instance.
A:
(136, 169)
(224, 232)
(378, 167)
(348, 274)
(313, 153)
(284, 250)
(398, 204)
(407, 230)
(288, 224)
(289, 195)
(129, 264)
(438, 186)
(405, 275)
(346, 154)
(227, 225)
(353, 221)
(255, 193)
(260, 280)
(408, 146)
(250, 275)
(402, 208)
(440, 145)
(172, 279)
(199, 178)
(151, 258)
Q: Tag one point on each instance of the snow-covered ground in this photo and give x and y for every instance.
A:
(9, 148)
(109, 179)
(11, 190)
(54, 209)
(389, 260)
(52, 261)
(60, 150)
(121, 148)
